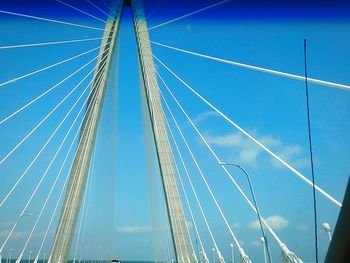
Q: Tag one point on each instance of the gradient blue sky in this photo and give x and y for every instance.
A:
(272, 108)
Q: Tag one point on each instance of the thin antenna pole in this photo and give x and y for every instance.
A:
(311, 156)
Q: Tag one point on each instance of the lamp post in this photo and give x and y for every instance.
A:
(43, 259)
(254, 202)
(328, 230)
(30, 253)
(262, 239)
(11, 232)
(10, 256)
(232, 256)
(8, 260)
(214, 257)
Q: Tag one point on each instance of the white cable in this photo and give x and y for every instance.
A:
(49, 20)
(187, 15)
(50, 66)
(79, 10)
(28, 202)
(158, 5)
(150, 65)
(79, 227)
(163, 204)
(46, 143)
(88, 195)
(202, 211)
(182, 184)
(177, 220)
(201, 173)
(185, 194)
(261, 69)
(284, 248)
(43, 120)
(291, 168)
(83, 213)
(84, 156)
(52, 161)
(67, 178)
(64, 185)
(52, 43)
(96, 216)
(98, 8)
(223, 167)
(49, 90)
(196, 163)
(108, 7)
(87, 129)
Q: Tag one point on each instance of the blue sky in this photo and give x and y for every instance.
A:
(271, 108)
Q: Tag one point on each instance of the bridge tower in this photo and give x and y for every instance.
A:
(81, 164)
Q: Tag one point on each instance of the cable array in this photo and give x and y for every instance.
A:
(90, 219)
(92, 91)
(49, 20)
(187, 15)
(269, 151)
(256, 68)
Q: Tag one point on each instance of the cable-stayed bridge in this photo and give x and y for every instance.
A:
(58, 155)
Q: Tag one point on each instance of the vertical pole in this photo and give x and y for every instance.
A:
(180, 236)
(80, 168)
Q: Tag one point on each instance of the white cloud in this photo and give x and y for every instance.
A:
(255, 243)
(134, 229)
(247, 152)
(236, 225)
(204, 115)
(235, 139)
(7, 223)
(303, 227)
(293, 153)
(249, 156)
(275, 222)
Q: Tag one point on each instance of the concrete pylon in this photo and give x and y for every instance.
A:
(179, 231)
(81, 164)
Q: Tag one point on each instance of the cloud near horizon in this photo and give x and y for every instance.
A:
(276, 222)
(15, 235)
(134, 229)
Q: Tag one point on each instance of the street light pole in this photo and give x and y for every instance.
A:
(10, 256)
(232, 256)
(254, 202)
(328, 230)
(214, 257)
(11, 232)
(264, 248)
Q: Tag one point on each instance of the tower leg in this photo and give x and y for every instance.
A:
(81, 164)
(175, 211)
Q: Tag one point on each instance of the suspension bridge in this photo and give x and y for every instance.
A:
(216, 184)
